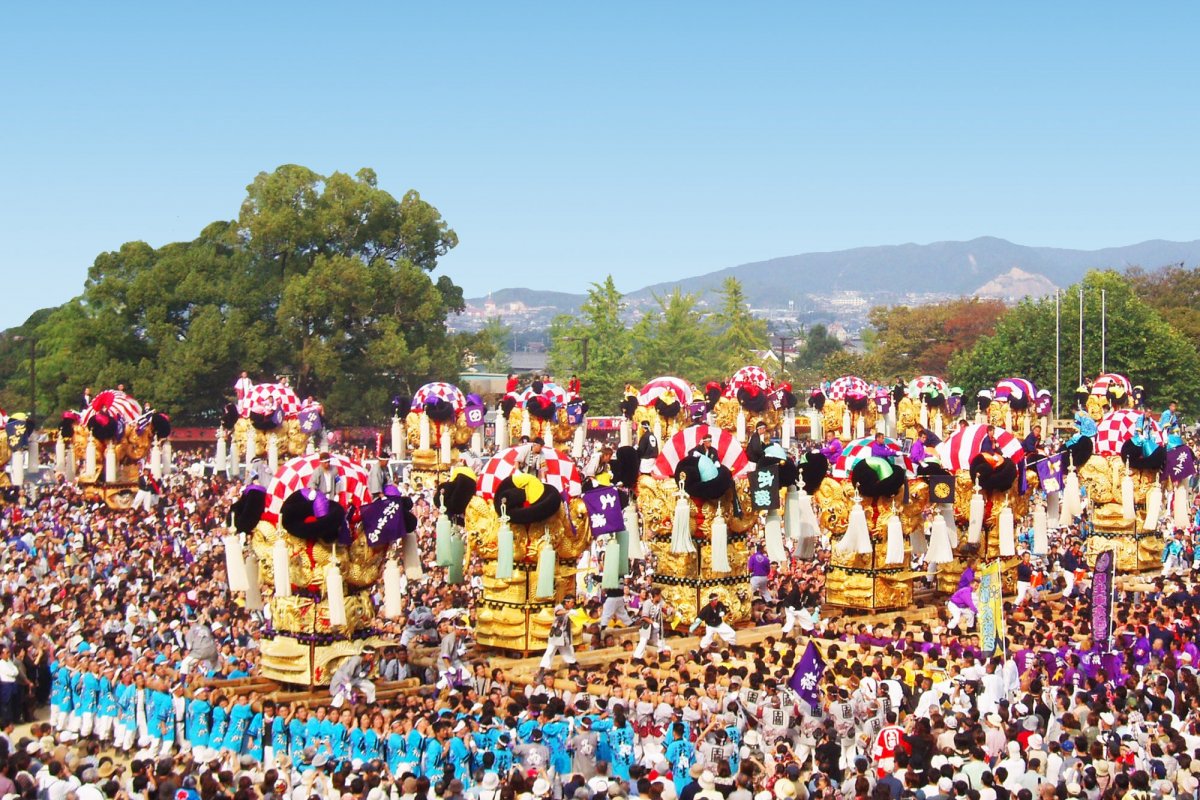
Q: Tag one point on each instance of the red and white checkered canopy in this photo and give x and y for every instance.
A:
(551, 391)
(561, 472)
(1118, 427)
(439, 391)
(294, 475)
(264, 398)
(918, 386)
(846, 386)
(747, 377)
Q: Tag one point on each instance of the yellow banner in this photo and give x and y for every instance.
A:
(991, 607)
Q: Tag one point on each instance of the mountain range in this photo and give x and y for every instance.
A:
(986, 266)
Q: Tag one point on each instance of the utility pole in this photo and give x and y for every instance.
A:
(783, 343)
(583, 340)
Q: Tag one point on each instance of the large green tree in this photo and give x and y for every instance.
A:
(325, 278)
(921, 340)
(493, 352)
(817, 345)
(1139, 344)
(673, 340)
(598, 331)
(1174, 292)
(736, 332)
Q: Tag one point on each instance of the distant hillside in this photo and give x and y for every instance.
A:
(951, 267)
(987, 266)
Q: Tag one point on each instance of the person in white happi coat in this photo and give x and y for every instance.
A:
(560, 640)
(651, 621)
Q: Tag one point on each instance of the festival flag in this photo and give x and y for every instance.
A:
(383, 521)
(941, 488)
(764, 485)
(991, 608)
(310, 420)
(1102, 599)
(604, 510)
(954, 406)
(575, 413)
(1043, 403)
(1180, 464)
(475, 415)
(1050, 472)
(806, 680)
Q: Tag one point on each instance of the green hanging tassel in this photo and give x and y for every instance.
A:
(458, 552)
(623, 552)
(444, 532)
(545, 579)
(504, 551)
(611, 579)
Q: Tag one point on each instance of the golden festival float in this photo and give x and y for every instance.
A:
(267, 421)
(440, 420)
(926, 404)
(1121, 461)
(109, 442)
(314, 560)
(993, 487)
(850, 408)
(1016, 405)
(870, 502)
(523, 519)
(664, 403)
(958, 504)
(701, 503)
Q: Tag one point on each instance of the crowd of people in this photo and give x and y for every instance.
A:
(122, 650)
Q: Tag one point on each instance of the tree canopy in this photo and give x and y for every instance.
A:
(675, 338)
(327, 279)
(1174, 292)
(1140, 344)
(818, 345)
(736, 332)
(599, 332)
(915, 340)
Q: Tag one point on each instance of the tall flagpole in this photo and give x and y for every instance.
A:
(1057, 353)
(1081, 336)
(1103, 331)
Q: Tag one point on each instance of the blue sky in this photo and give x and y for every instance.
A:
(649, 140)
